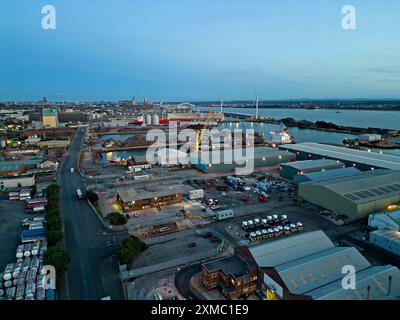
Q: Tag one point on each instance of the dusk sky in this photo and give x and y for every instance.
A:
(199, 50)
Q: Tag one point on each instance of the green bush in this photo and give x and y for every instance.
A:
(115, 218)
(131, 247)
(58, 258)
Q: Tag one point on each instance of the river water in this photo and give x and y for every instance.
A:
(354, 118)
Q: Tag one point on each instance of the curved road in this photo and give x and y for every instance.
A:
(93, 271)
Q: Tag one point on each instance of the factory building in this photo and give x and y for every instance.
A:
(385, 220)
(50, 117)
(355, 196)
(325, 175)
(214, 162)
(386, 239)
(306, 266)
(292, 169)
(309, 266)
(133, 200)
(16, 182)
(360, 159)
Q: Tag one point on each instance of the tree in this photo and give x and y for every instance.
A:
(115, 218)
(92, 196)
(58, 258)
(124, 256)
(54, 236)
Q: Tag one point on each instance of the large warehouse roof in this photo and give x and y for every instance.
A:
(360, 156)
(314, 271)
(364, 187)
(237, 155)
(376, 278)
(332, 173)
(271, 254)
(313, 164)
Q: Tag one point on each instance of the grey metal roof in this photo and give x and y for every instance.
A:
(313, 164)
(364, 187)
(332, 173)
(258, 153)
(389, 235)
(360, 156)
(317, 270)
(274, 253)
(377, 278)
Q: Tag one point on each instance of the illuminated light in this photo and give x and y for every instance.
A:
(354, 164)
(380, 151)
(372, 168)
(263, 158)
(209, 165)
(369, 150)
(280, 157)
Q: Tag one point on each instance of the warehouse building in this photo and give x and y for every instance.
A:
(309, 266)
(389, 220)
(292, 169)
(387, 239)
(325, 175)
(355, 196)
(214, 162)
(359, 159)
(139, 199)
(16, 182)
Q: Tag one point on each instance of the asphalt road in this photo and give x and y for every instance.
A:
(182, 280)
(92, 272)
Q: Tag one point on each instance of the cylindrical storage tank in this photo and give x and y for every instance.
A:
(7, 275)
(10, 293)
(148, 119)
(155, 120)
(20, 251)
(27, 250)
(34, 263)
(26, 264)
(1, 293)
(17, 270)
(8, 284)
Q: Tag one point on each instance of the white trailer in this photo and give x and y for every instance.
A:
(196, 194)
(224, 214)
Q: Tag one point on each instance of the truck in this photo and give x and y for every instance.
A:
(38, 209)
(79, 193)
(196, 194)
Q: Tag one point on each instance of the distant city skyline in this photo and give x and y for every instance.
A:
(199, 51)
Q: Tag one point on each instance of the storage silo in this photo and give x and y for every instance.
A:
(155, 120)
(148, 119)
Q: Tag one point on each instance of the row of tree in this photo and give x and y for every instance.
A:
(56, 255)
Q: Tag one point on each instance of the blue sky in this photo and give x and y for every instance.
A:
(199, 50)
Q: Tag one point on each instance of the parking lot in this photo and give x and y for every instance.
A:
(182, 248)
(11, 215)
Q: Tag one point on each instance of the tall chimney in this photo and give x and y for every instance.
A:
(390, 285)
(368, 292)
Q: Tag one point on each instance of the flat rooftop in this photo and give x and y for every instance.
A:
(129, 194)
(233, 266)
(341, 153)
